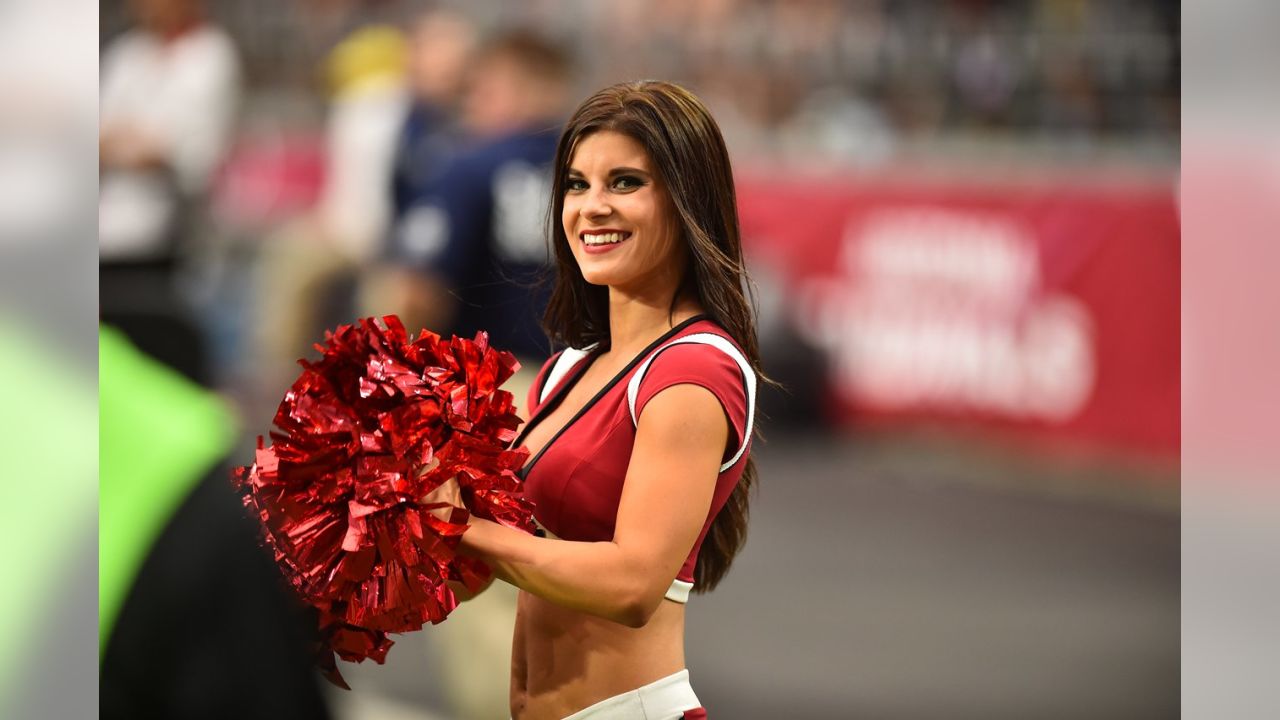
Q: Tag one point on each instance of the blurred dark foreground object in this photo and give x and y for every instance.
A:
(207, 630)
(195, 620)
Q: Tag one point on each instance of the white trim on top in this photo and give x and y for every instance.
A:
(568, 358)
(679, 591)
(723, 345)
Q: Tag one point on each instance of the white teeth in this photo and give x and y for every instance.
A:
(603, 239)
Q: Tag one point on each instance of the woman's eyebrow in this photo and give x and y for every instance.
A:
(615, 171)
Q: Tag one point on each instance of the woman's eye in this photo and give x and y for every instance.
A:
(575, 185)
(627, 182)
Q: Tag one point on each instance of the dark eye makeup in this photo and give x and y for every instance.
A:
(625, 183)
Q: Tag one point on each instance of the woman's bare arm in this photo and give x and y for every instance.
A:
(671, 478)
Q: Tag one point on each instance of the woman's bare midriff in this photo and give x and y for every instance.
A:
(564, 661)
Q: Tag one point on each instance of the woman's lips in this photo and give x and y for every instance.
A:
(603, 241)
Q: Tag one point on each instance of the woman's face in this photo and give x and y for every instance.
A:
(618, 217)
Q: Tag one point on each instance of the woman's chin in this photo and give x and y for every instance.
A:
(599, 277)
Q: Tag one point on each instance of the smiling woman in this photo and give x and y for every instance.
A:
(640, 432)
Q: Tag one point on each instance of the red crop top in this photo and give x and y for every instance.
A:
(576, 480)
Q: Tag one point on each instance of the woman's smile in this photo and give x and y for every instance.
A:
(603, 240)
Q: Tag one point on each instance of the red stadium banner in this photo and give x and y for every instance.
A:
(1048, 309)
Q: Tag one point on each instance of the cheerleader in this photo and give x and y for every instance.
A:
(640, 433)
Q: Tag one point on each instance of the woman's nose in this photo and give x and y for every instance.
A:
(596, 204)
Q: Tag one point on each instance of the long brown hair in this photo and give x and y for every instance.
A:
(690, 156)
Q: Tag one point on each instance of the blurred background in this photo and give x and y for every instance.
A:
(961, 219)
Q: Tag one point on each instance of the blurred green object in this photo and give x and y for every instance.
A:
(47, 494)
(159, 434)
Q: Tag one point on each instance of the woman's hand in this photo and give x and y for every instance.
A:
(448, 495)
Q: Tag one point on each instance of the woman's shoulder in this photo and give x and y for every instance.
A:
(702, 354)
(714, 361)
(703, 345)
(705, 355)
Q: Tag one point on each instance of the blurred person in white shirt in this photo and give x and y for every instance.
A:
(169, 94)
(168, 99)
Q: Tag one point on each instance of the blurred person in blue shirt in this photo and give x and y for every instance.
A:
(169, 94)
(441, 44)
(468, 249)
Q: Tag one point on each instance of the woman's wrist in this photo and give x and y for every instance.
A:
(473, 538)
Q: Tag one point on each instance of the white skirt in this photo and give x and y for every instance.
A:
(665, 699)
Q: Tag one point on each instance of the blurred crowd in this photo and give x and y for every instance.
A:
(319, 147)
(420, 189)
(849, 77)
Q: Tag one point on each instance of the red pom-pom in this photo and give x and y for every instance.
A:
(366, 432)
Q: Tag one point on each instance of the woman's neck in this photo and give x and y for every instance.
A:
(637, 320)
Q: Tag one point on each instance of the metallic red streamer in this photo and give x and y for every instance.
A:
(363, 434)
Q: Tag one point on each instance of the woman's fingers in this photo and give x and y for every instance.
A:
(447, 495)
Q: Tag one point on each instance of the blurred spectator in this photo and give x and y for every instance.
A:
(470, 247)
(169, 92)
(169, 95)
(366, 80)
(441, 45)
